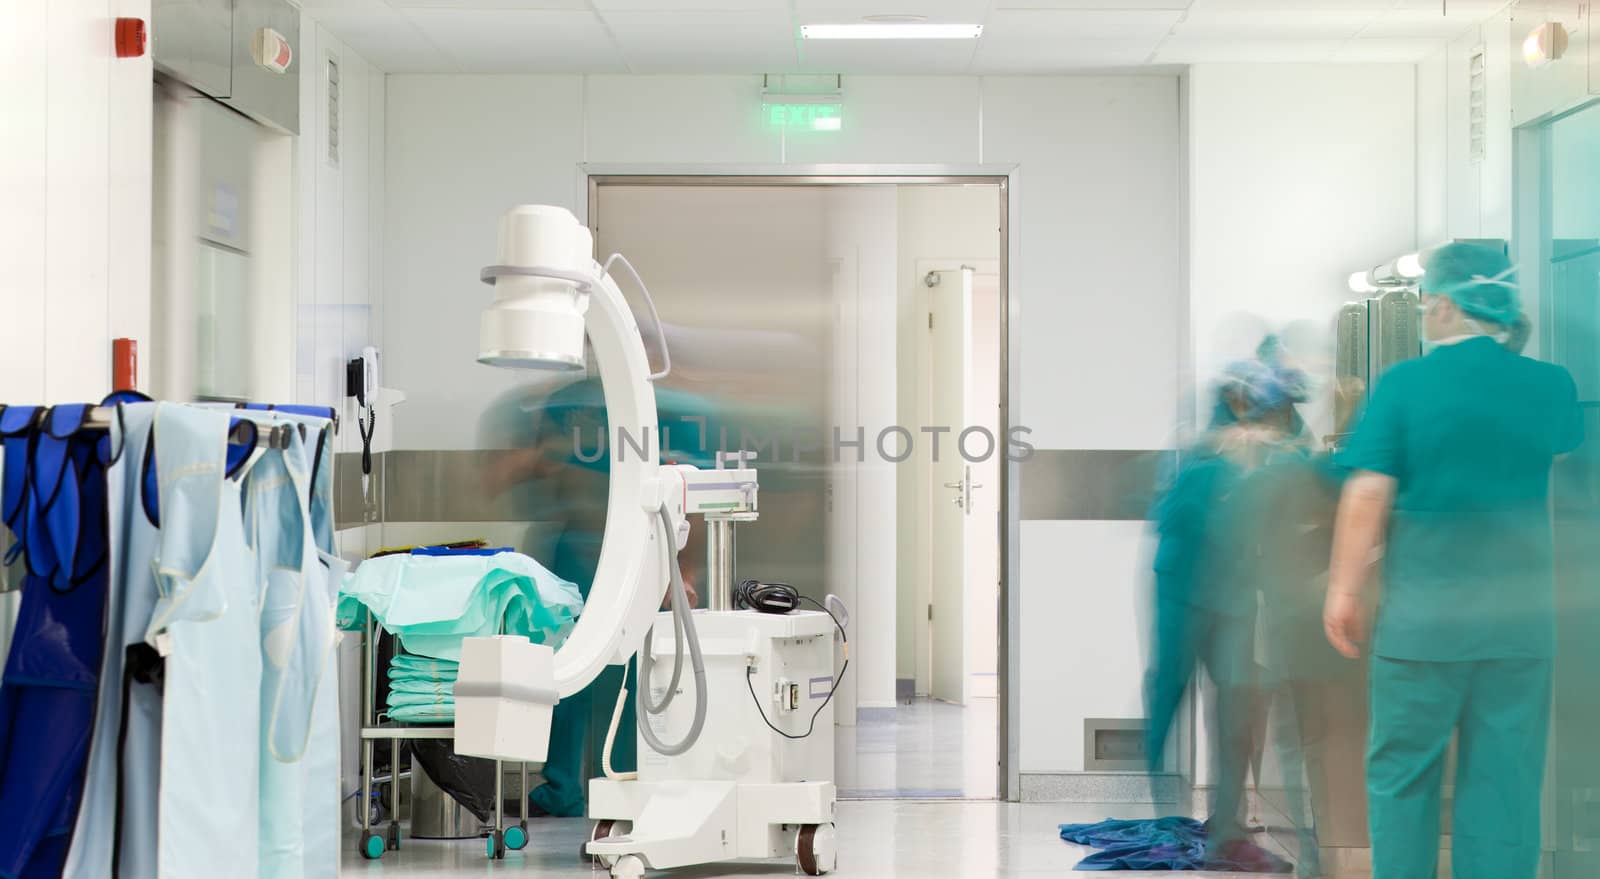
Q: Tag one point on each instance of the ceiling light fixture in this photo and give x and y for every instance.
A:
(891, 31)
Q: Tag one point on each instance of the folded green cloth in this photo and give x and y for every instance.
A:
(431, 602)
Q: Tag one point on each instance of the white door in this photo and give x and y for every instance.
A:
(951, 478)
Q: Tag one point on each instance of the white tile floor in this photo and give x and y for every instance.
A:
(877, 840)
(892, 777)
(929, 750)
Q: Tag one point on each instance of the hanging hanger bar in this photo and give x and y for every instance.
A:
(266, 436)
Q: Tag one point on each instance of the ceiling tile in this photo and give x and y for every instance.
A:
(1280, 25)
(519, 41)
(690, 5)
(1017, 27)
(1225, 50)
(758, 41)
(479, 5)
(1480, 8)
(385, 37)
(1422, 23)
(1065, 58)
(1293, 6)
(1157, 5)
(886, 56)
(1382, 51)
(1044, 41)
(848, 11)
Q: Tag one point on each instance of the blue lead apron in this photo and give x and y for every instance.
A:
(54, 502)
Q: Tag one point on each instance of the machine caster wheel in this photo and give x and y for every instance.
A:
(516, 838)
(628, 867)
(497, 845)
(602, 830)
(394, 836)
(815, 849)
(372, 847)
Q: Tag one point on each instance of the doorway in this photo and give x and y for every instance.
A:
(794, 305)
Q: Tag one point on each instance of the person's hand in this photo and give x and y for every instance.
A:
(1344, 621)
(689, 590)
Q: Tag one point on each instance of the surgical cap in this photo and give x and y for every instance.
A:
(1479, 279)
(1256, 385)
(1294, 382)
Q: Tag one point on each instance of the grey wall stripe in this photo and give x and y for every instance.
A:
(1091, 484)
(435, 486)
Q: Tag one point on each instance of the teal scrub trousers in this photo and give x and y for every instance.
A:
(1501, 711)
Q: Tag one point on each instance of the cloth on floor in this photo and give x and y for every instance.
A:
(1165, 844)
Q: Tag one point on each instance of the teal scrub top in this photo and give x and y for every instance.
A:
(1469, 433)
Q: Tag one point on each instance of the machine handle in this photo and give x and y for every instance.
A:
(650, 303)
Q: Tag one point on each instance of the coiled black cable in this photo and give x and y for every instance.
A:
(781, 598)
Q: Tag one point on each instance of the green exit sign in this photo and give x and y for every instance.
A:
(809, 116)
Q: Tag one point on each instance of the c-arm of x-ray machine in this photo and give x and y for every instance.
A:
(742, 767)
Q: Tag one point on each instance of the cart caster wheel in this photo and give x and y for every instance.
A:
(372, 847)
(628, 867)
(815, 849)
(516, 838)
(394, 836)
(601, 830)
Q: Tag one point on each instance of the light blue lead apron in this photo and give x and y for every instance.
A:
(173, 765)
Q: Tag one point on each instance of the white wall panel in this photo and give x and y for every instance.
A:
(1433, 189)
(77, 92)
(461, 151)
(1098, 271)
(129, 179)
(660, 119)
(897, 120)
(23, 53)
(1288, 198)
(1082, 634)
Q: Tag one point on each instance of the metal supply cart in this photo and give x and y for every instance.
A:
(372, 845)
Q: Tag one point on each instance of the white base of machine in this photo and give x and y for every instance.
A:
(661, 825)
(758, 782)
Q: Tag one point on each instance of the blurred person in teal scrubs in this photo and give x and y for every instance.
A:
(1207, 586)
(1450, 485)
(556, 469)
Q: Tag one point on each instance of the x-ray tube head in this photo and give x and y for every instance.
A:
(541, 299)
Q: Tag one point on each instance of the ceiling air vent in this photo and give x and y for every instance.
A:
(1477, 108)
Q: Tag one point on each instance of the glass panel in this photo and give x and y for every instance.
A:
(222, 324)
(1575, 183)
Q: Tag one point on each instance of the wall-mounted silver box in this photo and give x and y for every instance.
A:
(211, 46)
(1114, 745)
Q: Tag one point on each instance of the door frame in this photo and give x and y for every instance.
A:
(592, 177)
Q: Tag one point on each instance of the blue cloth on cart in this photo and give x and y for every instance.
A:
(460, 550)
(431, 602)
(1170, 843)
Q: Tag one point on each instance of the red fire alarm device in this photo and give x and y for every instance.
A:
(131, 38)
(124, 365)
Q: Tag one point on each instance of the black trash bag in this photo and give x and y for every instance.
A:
(470, 780)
